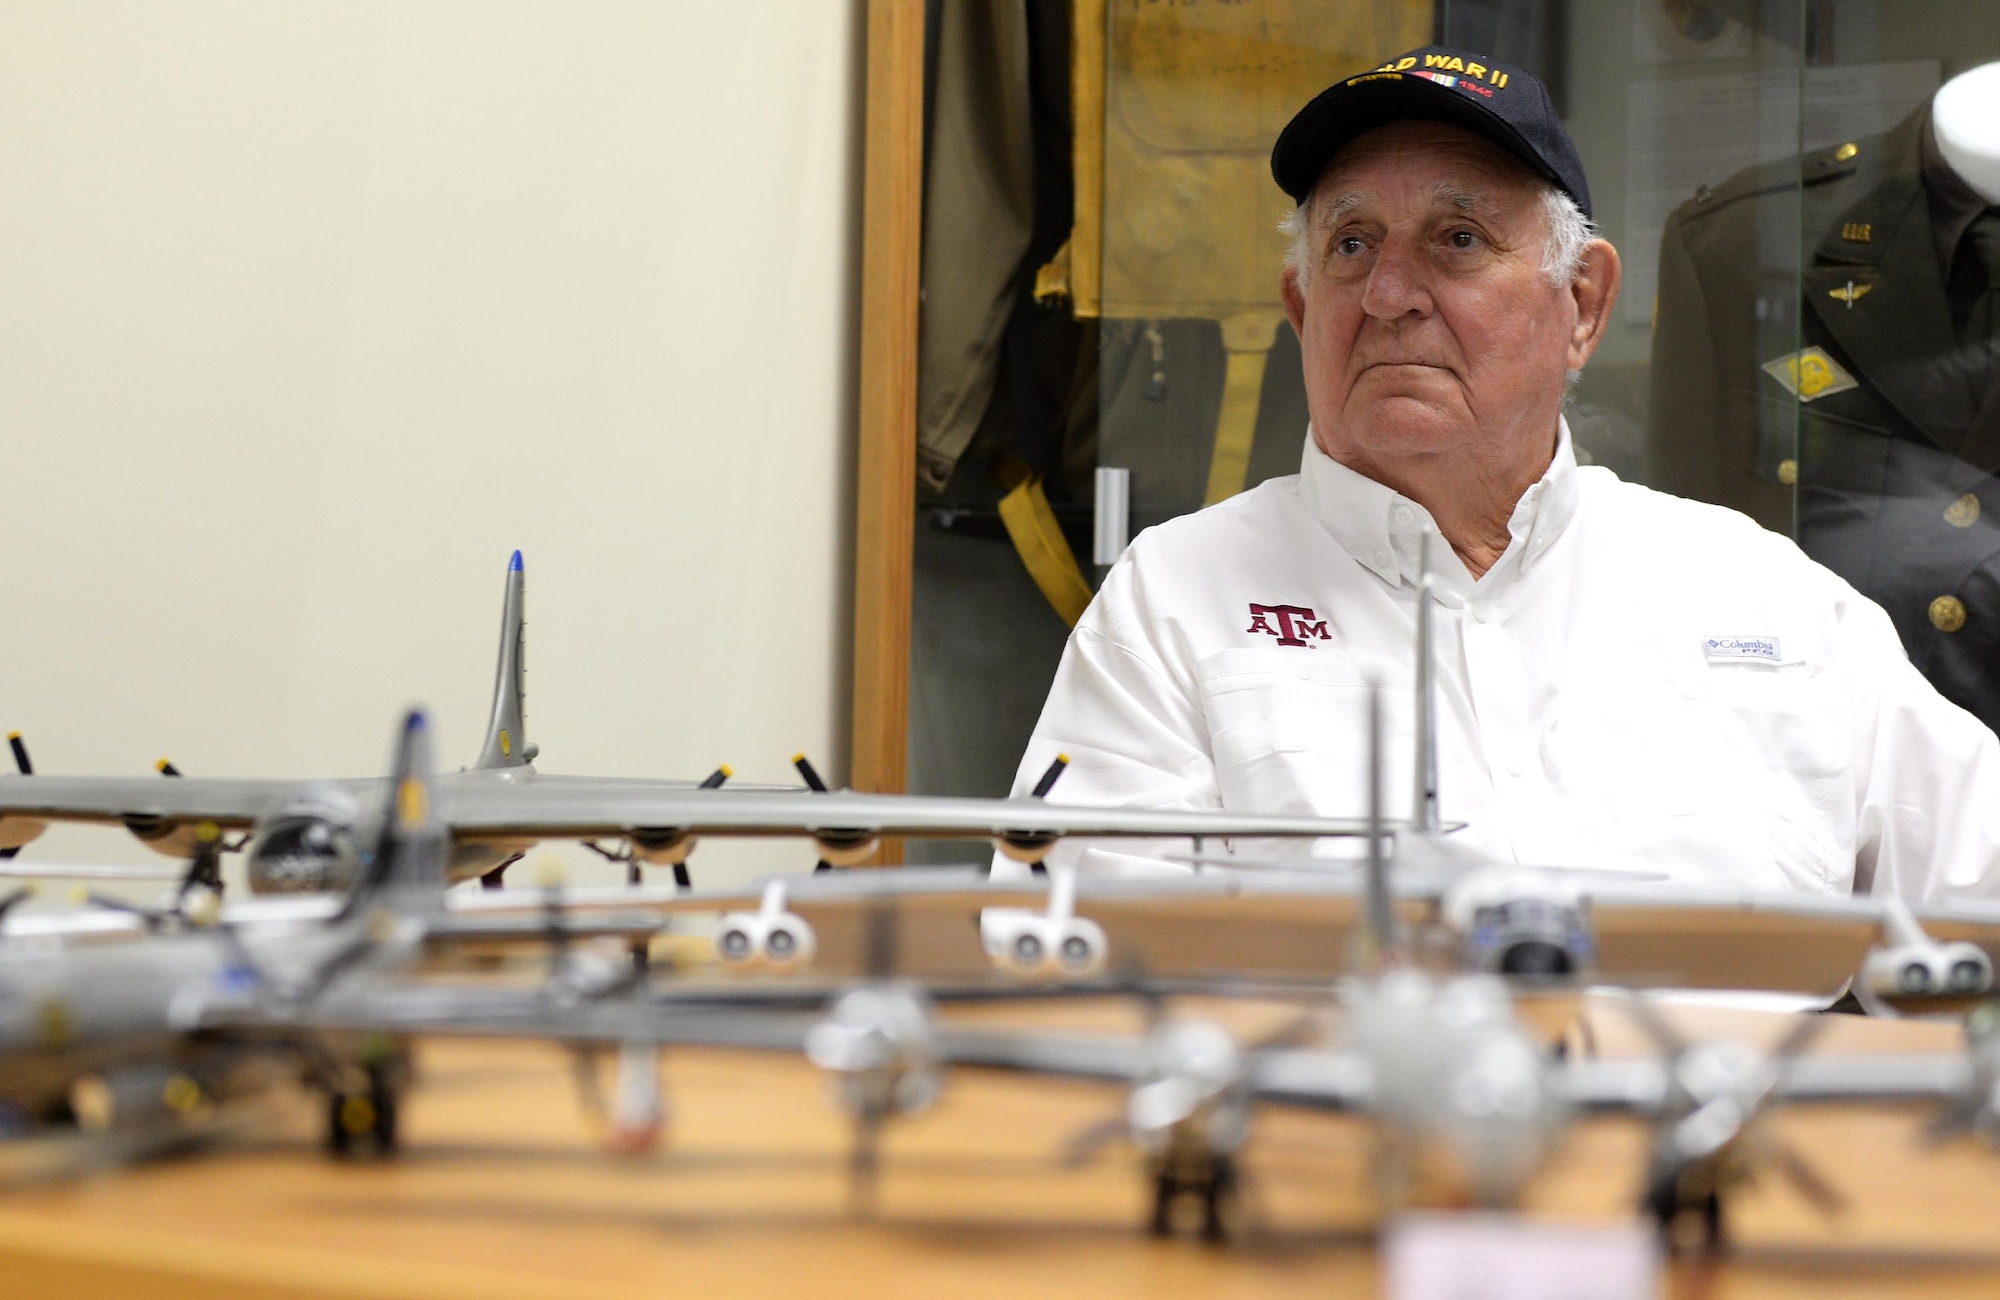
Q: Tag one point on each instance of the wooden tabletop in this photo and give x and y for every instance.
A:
(502, 1193)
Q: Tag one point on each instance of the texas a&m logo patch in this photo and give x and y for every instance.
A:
(1291, 624)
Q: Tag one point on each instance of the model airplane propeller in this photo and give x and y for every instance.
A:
(1709, 1134)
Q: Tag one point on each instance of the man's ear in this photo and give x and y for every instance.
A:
(1295, 299)
(1595, 293)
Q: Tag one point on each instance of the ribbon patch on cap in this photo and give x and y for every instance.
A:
(1446, 79)
(1741, 649)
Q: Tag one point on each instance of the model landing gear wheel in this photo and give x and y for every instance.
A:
(371, 1116)
(1209, 1183)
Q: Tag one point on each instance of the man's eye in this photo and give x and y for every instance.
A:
(1349, 245)
(1462, 239)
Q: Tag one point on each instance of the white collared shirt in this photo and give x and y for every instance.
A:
(1640, 682)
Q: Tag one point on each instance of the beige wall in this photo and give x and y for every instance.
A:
(310, 313)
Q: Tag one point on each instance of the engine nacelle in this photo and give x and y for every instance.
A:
(1025, 846)
(17, 832)
(661, 846)
(771, 937)
(1916, 969)
(846, 848)
(1028, 943)
(1523, 924)
(166, 836)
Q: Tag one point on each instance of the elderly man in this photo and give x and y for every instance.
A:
(1626, 679)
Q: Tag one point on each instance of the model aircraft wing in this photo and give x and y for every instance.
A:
(1685, 937)
(486, 1011)
(229, 802)
(1639, 1086)
(1299, 925)
(74, 924)
(1200, 927)
(494, 1012)
(946, 888)
(84, 871)
(583, 809)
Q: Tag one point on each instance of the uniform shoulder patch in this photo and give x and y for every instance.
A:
(1810, 373)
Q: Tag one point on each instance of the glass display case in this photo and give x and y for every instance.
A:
(1805, 331)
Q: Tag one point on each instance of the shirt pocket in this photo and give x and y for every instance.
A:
(1790, 722)
(1735, 764)
(1289, 731)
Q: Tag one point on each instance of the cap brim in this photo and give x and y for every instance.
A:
(1340, 114)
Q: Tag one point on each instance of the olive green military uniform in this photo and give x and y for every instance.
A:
(1898, 412)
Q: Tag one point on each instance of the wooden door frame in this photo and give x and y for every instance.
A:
(886, 393)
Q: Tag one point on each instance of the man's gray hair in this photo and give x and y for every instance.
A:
(1570, 232)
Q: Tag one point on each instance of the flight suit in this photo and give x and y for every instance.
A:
(1894, 435)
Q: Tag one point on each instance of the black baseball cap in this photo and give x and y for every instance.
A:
(1436, 83)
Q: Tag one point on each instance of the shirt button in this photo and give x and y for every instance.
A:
(1691, 689)
(1381, 559)
(1478, 613)
(1515, 767)
(1404, 516)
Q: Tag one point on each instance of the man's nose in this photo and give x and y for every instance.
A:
(1397, 284)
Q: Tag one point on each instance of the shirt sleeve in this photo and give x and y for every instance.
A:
(1133, 732)
(1927, 773)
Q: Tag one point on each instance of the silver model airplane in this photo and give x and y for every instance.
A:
(151, 1035)
(1465, 1101)
(125, 1039)
(1444, 1065)
(1302, 919)
(116, 1020)
(307, 835)
(1462, 1091)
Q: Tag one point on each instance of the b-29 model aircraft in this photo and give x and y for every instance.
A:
(159, 1029)
(1442, 1063)
(307, 836)
(1300, 919)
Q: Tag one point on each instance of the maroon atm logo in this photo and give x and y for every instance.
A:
(1291, 624)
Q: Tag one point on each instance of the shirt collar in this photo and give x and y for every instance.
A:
(1379, 526)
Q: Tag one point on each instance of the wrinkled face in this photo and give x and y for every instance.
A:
(1427, 323)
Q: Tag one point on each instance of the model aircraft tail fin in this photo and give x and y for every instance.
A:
(1379, 936)
(406, 873)
(1424, 808)
(506, 743)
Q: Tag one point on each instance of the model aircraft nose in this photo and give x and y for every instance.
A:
(1536, 959)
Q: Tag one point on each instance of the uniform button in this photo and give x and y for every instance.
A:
(1478, 613)
(1381, 559)
(1788, 472)
(1964, 512)
(1515, 767)
(1691, 689)
(1947, 613)
(1404, 516)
